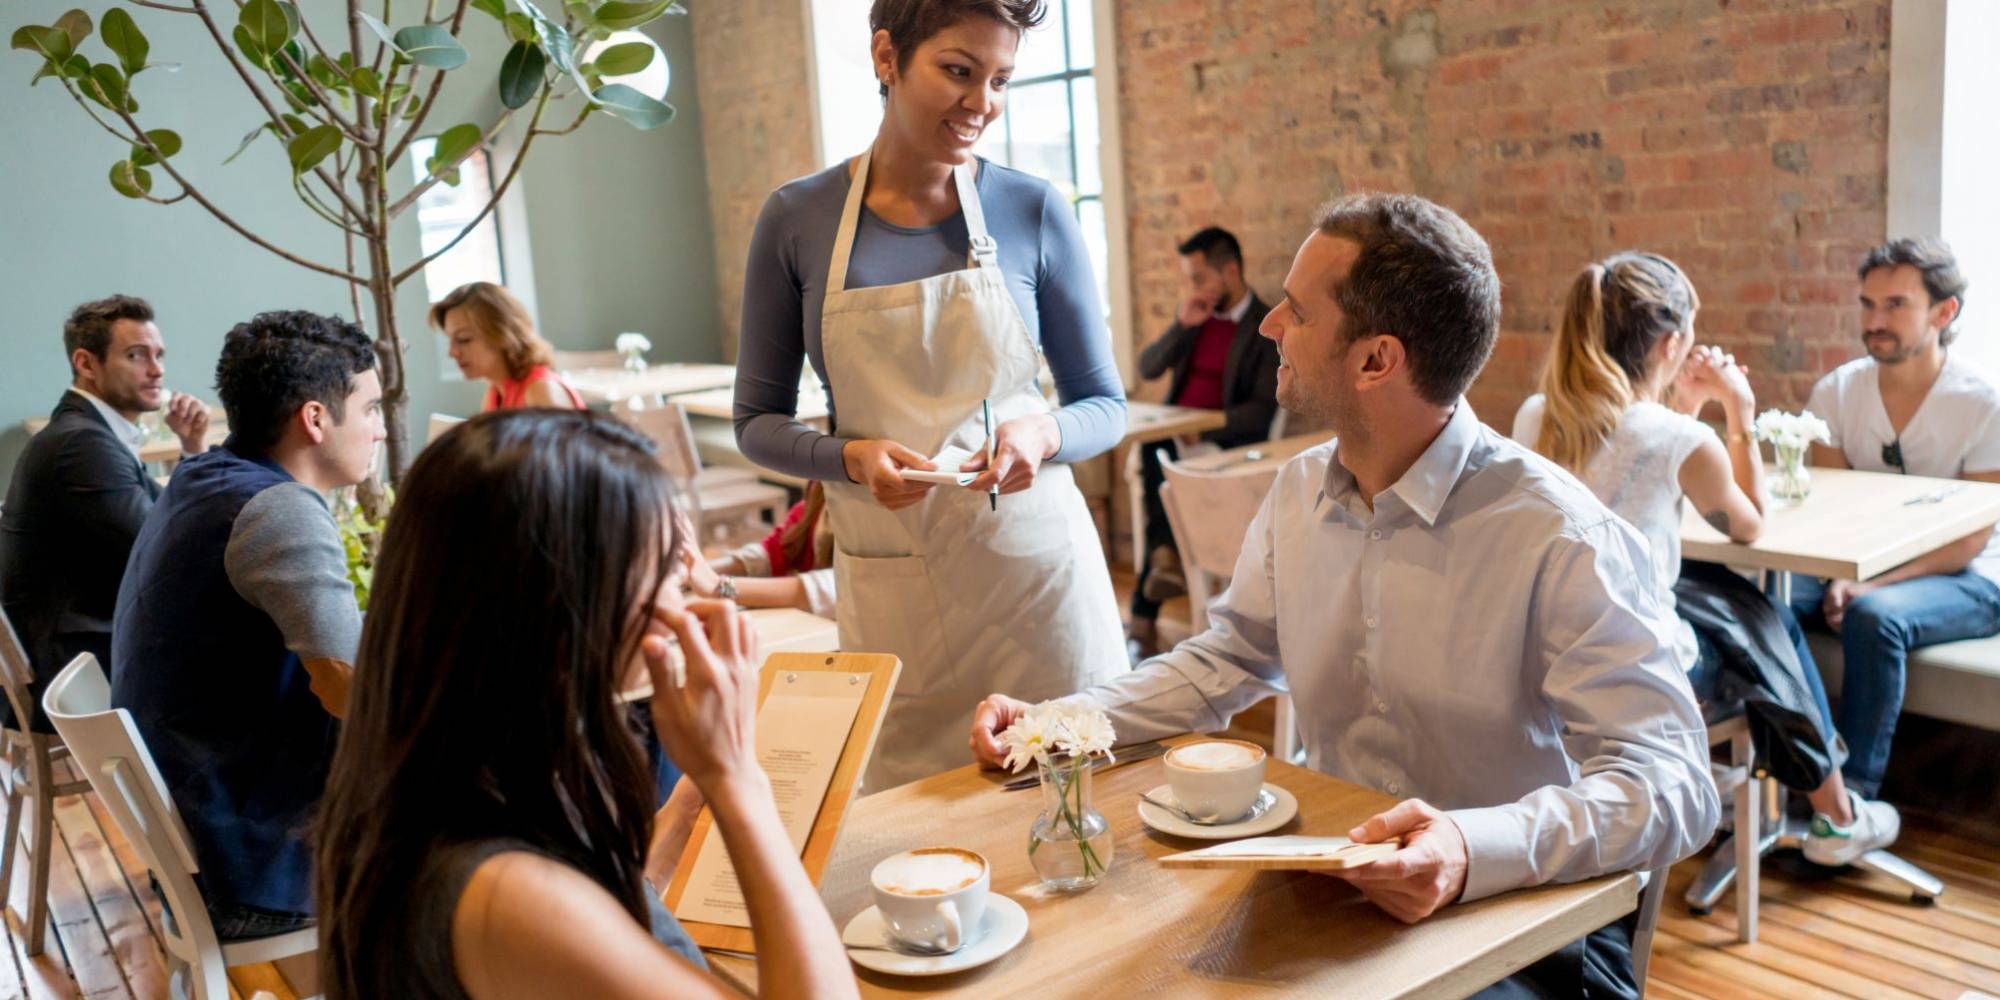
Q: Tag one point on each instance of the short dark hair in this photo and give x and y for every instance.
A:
(1425, 277)
(89, 325)
(911, 22)
(279, 361)
(1934, 260)
(1216, 245)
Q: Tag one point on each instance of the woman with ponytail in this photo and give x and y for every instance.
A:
(1618, 404)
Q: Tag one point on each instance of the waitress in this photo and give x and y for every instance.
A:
(922, 281)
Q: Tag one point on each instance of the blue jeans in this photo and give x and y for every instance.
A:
(1876, 637)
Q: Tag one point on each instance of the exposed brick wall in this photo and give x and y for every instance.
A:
(750, 66)
(1746, 140)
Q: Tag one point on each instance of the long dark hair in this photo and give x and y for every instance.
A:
(516, 571)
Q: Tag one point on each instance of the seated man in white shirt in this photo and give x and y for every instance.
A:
(1914, 407)
(1460, 623)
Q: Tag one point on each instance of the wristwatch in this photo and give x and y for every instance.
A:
(725, 587)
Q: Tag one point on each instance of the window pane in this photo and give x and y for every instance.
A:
(444, 210)
(1090, 216)
(1082, 40)
(1039, 117)
(1041, 51)
(1089, 176)
(992, 143)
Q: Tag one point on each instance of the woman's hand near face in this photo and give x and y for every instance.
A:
(1020, 446)
(879, 465)
(706, 710)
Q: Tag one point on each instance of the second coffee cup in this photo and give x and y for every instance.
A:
(1216, 781)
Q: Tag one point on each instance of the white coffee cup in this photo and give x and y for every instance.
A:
(1216, 780)
(932, 899)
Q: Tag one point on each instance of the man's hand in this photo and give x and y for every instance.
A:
(989, 720)
(1840, 595)
(187, 417)
(1194, 311)
(1427, 873)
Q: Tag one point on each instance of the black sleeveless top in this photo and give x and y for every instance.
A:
(426, 969)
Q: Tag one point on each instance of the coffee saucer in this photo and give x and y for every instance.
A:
(1283, 806)
(1005, 924)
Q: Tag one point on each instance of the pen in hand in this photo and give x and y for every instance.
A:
(992, 492)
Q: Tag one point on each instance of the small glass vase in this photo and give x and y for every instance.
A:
(635, 362)
(1790, 479)
(1070, 843)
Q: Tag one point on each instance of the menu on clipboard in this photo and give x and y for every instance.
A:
(817, 717)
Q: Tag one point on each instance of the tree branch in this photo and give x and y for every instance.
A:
(520, 157)
(166, 201)
(437, 83)
(403, 204)
(161, 6)
(581, 116)
(322, 209)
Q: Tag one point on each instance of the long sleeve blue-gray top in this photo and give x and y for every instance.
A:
(1042, 256)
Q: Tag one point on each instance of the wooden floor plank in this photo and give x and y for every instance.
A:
(248, 979)
(1809, 958)
(84, 940)
(1864, 938)
(121, 914)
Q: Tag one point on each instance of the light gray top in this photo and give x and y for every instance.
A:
(284, 557)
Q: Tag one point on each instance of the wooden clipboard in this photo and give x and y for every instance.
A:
(1351, 856)
(883, 669)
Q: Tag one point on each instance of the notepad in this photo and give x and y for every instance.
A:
(1296, 853)
(947, 474)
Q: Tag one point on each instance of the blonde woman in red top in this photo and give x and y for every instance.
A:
(493, 338)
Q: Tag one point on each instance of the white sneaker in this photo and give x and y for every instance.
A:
(1875, 826)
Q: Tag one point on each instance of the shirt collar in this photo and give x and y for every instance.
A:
(1428, 482)
(1240, 309)
(126, 430)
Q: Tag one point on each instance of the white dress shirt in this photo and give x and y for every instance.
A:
(124, 429)
(1489, 639)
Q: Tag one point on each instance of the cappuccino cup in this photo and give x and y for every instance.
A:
(1216, 781)
(932, 899)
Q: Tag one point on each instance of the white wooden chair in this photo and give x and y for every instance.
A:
(440, 423)
(115, 759)
(1210, 512)
(30, 778)
(728, 504)
(1650, 900)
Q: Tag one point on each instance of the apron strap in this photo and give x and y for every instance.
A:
(850, 218)
(982, 252)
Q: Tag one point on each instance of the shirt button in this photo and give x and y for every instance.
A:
(1382, 706)
(1376, 534)
(1394, 789)
(1371, 621)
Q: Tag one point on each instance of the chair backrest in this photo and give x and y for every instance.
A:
(16, 673)
(106, 744)
(570, 361)
(441, 422)
(1212, 511)
(667, 425)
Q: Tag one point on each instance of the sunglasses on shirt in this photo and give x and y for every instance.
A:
(1892, 454)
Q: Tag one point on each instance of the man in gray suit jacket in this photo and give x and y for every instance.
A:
(79, 492)
(1218, 362)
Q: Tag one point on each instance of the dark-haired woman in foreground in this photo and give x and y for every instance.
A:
(486, 825)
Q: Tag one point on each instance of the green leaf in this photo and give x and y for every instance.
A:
(630, 57)
(130, 179)
(452, 146)
(497, 8)
(322, 73)
(252, 49)
(381, 30)
(307, 150)
(283, 67)
(53, 43)
(431, 45)
(365, 82)
(123, 37)
(410, 113)
(637, 109)
(248, 139)
(106, 86)
(296, 125)
(167, 141)
(75, 24)
(268, 23)
(520, 27)
(521, 74)
(619, 15)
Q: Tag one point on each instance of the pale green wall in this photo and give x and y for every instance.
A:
(618, 221)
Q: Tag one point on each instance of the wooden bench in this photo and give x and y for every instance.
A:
(1954, 681)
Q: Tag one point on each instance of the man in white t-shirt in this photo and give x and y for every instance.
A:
(1912, 406)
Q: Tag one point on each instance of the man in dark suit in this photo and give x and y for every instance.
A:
(79, 492)
(1219, 363)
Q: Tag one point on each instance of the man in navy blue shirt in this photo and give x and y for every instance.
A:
(236, 627)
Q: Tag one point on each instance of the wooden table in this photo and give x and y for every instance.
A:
(615, 385)
(1265, 455)
(165, 450)
(720, 404)
(1145, 930)
(1145, 422)
(1852, 526)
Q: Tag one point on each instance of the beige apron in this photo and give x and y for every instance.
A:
(974, 601)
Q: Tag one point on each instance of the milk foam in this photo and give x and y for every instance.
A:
(1215, 755)
(928, 872)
